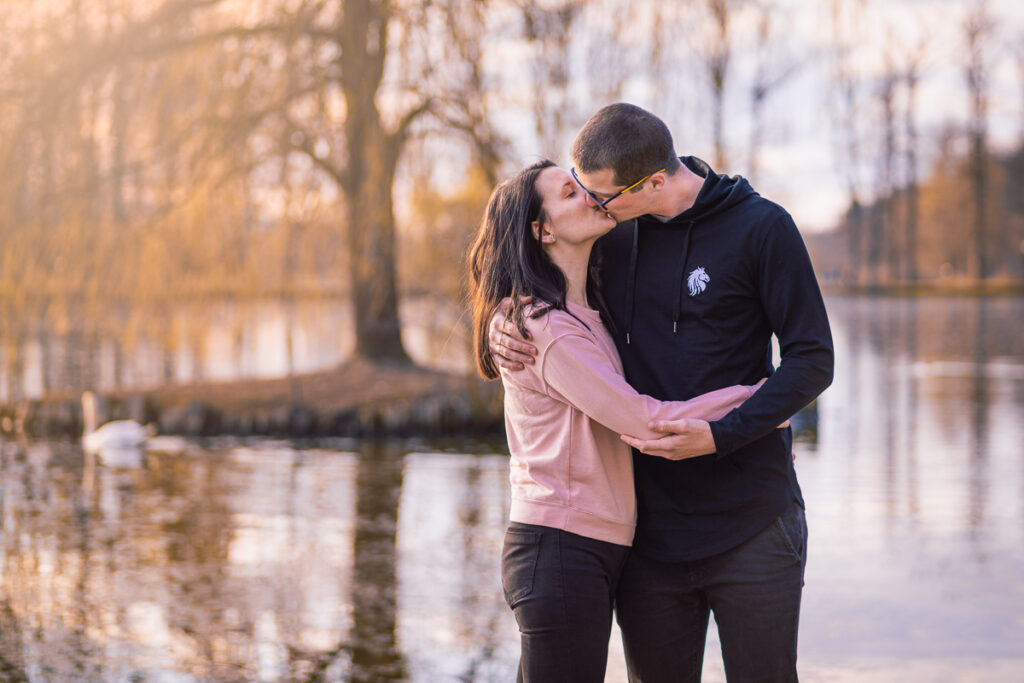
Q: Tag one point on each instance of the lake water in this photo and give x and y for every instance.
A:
(263, 560)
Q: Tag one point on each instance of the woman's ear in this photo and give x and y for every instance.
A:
(541, 233)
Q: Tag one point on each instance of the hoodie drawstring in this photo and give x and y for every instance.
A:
(631, 280)
(683, 284)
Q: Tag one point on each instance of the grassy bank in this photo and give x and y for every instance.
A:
(355, 399)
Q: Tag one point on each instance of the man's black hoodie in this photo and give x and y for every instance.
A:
(694, 301)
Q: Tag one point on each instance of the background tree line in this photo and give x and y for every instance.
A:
(939, 209)
(158, 149)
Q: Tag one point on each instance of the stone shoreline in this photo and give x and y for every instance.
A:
(355, 399)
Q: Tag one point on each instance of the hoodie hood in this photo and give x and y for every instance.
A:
(718, 194)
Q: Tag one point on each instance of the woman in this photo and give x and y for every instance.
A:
(573, 508)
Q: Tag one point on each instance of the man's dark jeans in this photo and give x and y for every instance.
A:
(753, 590)
(561, 588)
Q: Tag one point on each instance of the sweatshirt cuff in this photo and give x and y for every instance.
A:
(724, 445)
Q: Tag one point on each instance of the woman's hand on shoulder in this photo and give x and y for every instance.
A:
(509, 349)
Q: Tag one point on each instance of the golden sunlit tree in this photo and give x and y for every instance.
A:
(157, 149)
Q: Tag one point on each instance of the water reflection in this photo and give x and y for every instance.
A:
(339, 560)
(914, 493)
(374, 590)
(250, 562)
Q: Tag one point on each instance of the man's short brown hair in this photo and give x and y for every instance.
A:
(631, 141)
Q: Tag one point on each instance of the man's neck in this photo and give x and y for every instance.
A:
(679, 194)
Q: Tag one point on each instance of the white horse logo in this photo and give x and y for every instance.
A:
(698, 281)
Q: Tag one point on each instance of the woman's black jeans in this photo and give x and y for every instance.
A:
(561, 588)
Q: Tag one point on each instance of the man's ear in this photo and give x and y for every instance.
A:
(541, 233)
(657, 180)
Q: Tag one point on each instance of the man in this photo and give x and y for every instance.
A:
(698, 275)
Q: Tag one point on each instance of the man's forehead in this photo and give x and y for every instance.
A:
(598, 181)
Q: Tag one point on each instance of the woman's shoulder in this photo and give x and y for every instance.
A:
(546, 323)
(546, 319)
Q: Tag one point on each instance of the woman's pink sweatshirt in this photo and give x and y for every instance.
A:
(563, 416)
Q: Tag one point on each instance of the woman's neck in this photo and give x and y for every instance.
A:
(574, 262)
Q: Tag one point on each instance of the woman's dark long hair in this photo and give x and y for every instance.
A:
(507, 261)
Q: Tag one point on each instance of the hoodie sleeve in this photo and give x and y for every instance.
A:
(581, 374)
(795, 310)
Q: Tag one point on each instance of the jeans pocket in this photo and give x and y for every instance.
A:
(519, 564)
(792, 528)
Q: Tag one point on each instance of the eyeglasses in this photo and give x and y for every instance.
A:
(604, 203)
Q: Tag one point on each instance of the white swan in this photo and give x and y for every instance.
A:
(119, 434)
(121, 442)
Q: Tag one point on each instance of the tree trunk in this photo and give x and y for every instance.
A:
(371, 243)
(717, 113)
(884, 250)
(368, 176)
(876, 235)
(718, 66)
(912, 195)
(978, 265)
(978, 28)
(855, 239)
